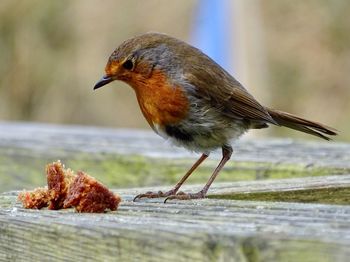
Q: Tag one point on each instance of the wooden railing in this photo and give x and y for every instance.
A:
(277, 200)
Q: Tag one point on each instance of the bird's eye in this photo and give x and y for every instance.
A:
(128, 64)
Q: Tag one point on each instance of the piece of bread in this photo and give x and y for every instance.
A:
(86, 194)
(66, 189)
(58, 182)
(36, 199)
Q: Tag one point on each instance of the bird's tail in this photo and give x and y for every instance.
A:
(300, 124)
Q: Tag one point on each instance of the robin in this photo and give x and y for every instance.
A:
(192, 101)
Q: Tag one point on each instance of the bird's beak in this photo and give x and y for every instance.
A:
(103, 81)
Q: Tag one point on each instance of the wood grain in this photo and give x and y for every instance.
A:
(198, 230)
(213, 229)
(131, 158)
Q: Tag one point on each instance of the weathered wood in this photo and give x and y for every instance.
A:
(219, 228)
(141, 158)
(198, 230)
(48, 139)
(263, 190)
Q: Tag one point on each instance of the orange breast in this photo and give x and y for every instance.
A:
(160, 102)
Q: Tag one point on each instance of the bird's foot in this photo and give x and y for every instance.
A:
(155, 194)
(186, 196)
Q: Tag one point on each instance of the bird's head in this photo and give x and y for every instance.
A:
(135, 59)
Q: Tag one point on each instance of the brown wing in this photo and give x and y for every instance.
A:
(216, 85)
(241, 103)
(210, 81)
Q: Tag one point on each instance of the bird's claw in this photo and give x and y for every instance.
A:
(186, 196)
(154, 194)
(171, 194)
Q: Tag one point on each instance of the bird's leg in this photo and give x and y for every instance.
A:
(226, 155)
(177, 186)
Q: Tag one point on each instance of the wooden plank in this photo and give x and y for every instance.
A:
(129, 158)
(214, 229)
(261, 190)
(198, 230)
(48, 139)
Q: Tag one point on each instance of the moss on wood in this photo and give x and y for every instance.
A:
(21, 168)
(334, 195)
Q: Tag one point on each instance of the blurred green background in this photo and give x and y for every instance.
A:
(291, 55)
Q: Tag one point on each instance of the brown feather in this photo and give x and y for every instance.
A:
(301, 124)
(223, 91)
(243, 104)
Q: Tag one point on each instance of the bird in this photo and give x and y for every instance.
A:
(190, 100)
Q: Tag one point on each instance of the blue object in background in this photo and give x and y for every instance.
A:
(212, 31)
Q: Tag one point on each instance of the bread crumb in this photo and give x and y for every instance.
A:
(58, 181)
(36, 199)
(86, 194)
(67, 189)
